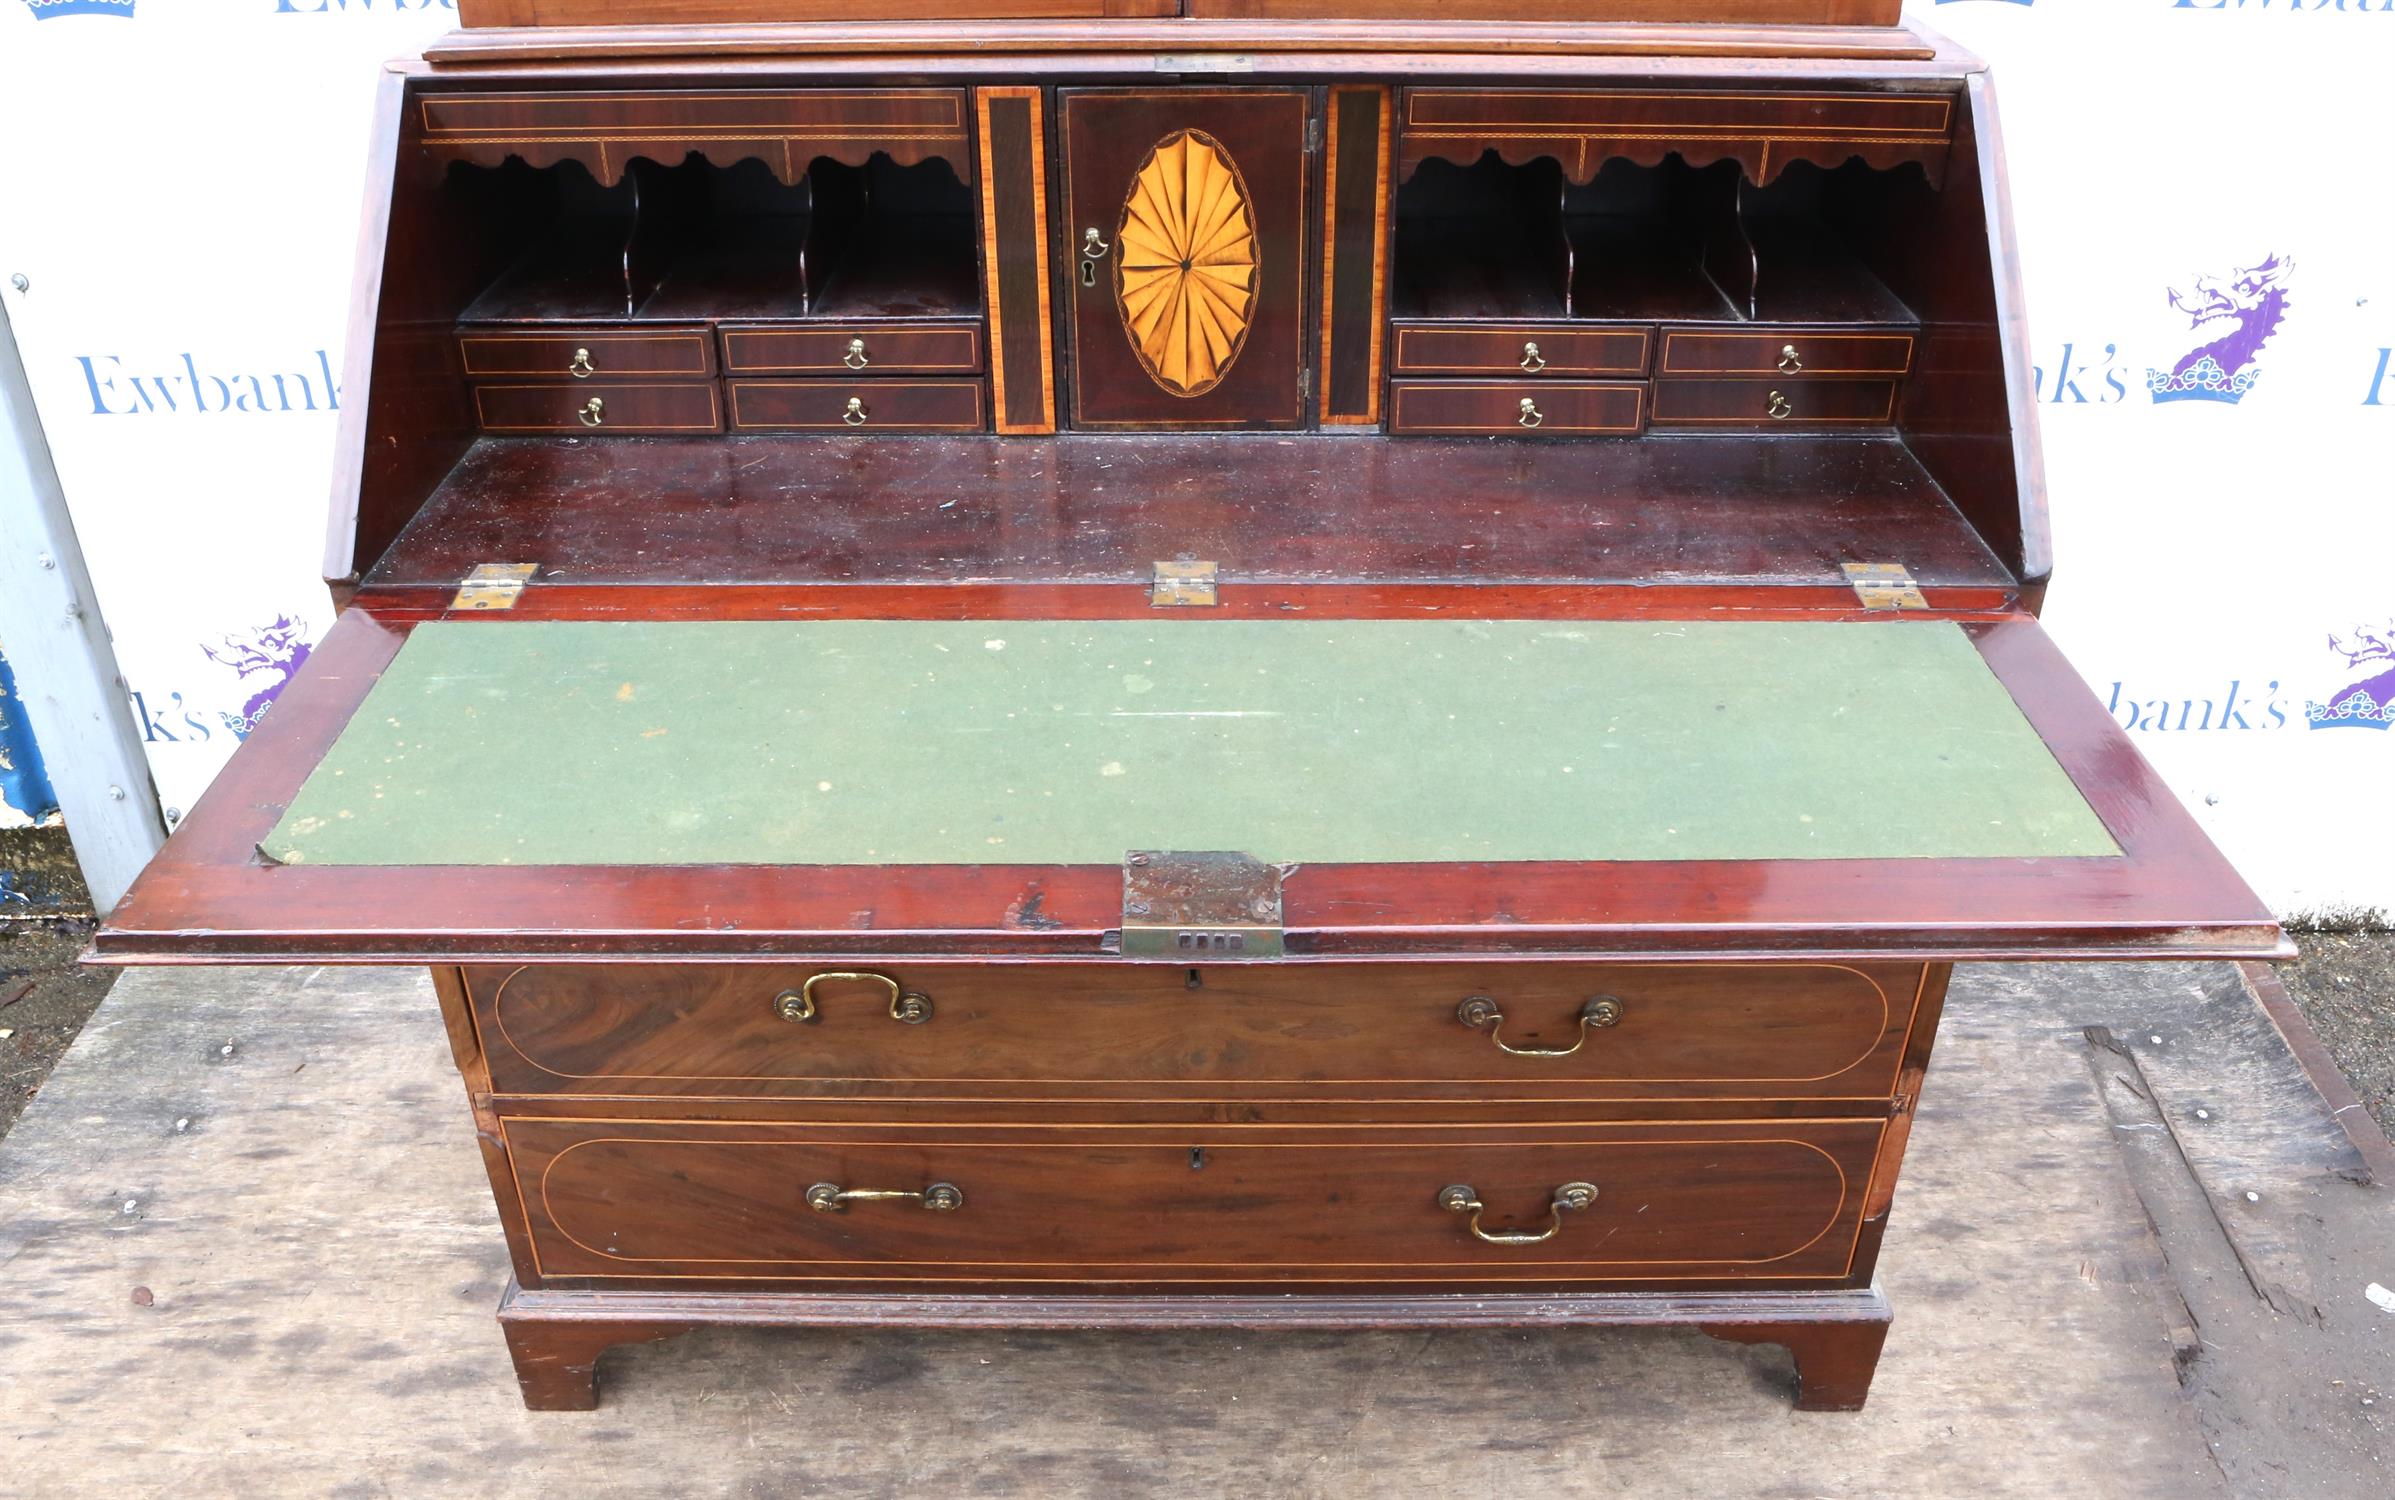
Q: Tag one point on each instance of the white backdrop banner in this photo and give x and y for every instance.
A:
(2207, 229)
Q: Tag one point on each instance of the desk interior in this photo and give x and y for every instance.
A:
(1773, 510)
(886, 742)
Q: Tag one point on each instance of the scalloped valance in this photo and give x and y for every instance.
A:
(785, 129)
(1763, 132)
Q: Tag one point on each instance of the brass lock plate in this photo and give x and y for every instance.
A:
(1211, 906)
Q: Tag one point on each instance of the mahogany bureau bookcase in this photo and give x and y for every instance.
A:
(1094, 669)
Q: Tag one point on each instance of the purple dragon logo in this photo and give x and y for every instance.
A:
(276, 649)
(2232, 317)
(2367, 701)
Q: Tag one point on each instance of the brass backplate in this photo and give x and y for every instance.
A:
(1182, 585)
(1884, 586)
(1210, 906)
(494, 586)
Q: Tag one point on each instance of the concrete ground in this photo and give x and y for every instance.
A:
(269, 1271)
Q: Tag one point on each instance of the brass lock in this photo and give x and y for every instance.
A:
(1779, 409)
(856, 358)
(591, 414)
(580, 366)
(1530, 415)
(1532, 360)
(855, 415)
(1790, 362)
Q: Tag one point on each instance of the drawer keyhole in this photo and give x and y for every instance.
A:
(1197, 1158)
(1089, 273)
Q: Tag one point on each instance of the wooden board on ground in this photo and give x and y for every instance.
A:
(271, 1269)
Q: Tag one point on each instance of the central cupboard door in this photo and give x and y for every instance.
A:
(1187, 255)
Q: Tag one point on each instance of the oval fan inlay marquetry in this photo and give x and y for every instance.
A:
(1186, 280)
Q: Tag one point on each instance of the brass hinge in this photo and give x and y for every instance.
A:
(1313, 135)
(1884, 586)
(493, 586)
(1212, 906)
(1182, 585)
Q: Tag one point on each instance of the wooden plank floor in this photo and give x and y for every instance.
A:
(269, 1270)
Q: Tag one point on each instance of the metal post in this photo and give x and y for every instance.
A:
(67, 677)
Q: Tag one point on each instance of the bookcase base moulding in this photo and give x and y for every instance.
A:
(1291, 668)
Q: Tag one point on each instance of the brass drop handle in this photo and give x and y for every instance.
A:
(592, 412)
(1478, 1011)
(940, 1197)
(580, 366)
(1093, 245)
(1530, 416)
(908, 1007)
(1571, 1197)
(1779, 408)
(856, 358)
(856, 414)
(1532, 360)
(1790, 361)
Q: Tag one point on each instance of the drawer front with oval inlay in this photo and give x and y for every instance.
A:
(1095, 1031)
(1494, 1205)
(586, 353)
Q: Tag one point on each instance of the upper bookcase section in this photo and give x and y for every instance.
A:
(476, 13)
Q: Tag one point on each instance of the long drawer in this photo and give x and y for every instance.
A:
(599, 407)
(866, 406)
(1731, 1201)
(1517, 408)
(1129, 1030)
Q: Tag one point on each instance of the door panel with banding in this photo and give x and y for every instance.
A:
(1186, 251)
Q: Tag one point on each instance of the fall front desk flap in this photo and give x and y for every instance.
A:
(1053, 742)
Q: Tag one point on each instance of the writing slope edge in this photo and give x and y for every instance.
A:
(211, 897)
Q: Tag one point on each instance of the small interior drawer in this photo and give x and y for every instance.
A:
(1795, 353)
(598, 407)
(1774, 403)
(1517, 408)
(586, 353)
(867, 406)
(860, 349)
(1544, 349)
(1701, 1200)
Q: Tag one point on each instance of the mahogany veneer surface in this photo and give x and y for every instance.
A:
(1662, 1089)
(798, 510)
